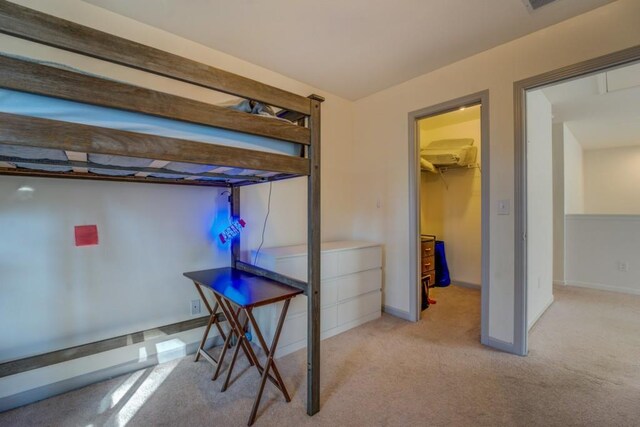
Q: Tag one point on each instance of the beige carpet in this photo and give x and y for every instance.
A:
(583, 369)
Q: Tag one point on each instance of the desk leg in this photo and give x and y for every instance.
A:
(204, 337)
(213, 320)
(226, 345)
(228, 313)
(244, 342)
(210, 310)
(238, 345)
(278, 379)
(270, 363)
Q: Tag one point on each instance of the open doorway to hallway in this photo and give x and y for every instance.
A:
(449, 164)
(583, 212)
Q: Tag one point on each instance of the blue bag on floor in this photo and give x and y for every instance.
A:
(442, 270)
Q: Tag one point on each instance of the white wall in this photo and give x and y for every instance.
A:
(381, 142)
(453, 212)
(596, 245)
(573, 173)
(558, 202)
(612, 181)
(539, 206)
(149, 234)
(57, 295)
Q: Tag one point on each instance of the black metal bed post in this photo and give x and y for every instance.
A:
(313, 259)
(234, 201)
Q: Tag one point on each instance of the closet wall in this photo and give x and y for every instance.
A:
(451, 204)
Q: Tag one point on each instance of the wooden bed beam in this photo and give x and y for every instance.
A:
(263, 272)
(31, 77)
(313, 260)
(95, 177)
(274, 178)
(22, 22)
(46, 133)
(75, 164)
(64, 355)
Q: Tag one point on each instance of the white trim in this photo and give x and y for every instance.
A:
(559, 282)
(602, 287)
(401, 314)
(481, 98)
(500, 345)
(468, 285)
(601, 217)
(588, 67)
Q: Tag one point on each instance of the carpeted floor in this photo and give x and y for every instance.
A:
(583, 369)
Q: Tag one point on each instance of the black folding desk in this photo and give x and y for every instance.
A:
(246, 291)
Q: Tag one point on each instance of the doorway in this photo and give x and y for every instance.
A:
(542, 255)
(449, 196)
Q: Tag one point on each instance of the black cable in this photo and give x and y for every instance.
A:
(264, 226)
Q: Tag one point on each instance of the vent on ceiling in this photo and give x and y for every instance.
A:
(536, 4)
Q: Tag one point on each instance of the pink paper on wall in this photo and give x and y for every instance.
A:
(86, 235)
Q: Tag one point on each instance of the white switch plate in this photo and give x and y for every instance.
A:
(504, 207)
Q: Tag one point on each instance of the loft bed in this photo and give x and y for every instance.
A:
(89, 127)
(41, 105)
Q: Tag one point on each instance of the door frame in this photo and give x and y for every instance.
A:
(581, 69)
(481, 98)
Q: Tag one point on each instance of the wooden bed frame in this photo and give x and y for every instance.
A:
(32, 77)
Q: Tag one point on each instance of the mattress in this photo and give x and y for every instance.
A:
(26, 104)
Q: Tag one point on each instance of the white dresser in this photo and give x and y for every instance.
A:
(350, 290)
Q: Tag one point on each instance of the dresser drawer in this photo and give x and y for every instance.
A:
(357, 284)
(428, 264)
(354, 261)
(431, 276)
(295, 328)
(428, 248)
(358, 307)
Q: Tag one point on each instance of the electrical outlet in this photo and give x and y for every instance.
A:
(623, 266)
(196, 307)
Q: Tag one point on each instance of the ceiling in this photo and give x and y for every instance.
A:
(450, 118)
(351, 48)
(601, 110)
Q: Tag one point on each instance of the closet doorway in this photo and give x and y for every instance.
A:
(449, 185)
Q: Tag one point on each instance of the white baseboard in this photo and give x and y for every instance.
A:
(601, 287)
(469, 285)
(395, 312)
(498, 344)
(37, 384)
(543, 311)
(559, 282)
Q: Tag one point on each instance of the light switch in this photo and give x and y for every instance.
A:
(504, 207)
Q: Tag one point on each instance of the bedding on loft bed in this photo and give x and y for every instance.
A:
(237, 104)
(26, 104)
